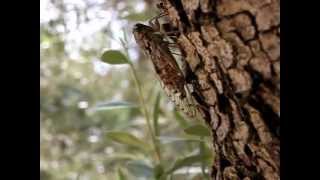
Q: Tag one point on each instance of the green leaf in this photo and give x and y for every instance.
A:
(137, 17)
(182, 122)
(159, 172)
(167, 139)
(156, 115)
(114, 57)
(128, 139)
(112, 105)
(120, 157)
(121, 175)
(197, 130)
(209, 156)
(140, 169)
(185, 162)
(203, 151)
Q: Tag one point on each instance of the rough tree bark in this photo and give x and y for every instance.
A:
(233, 50)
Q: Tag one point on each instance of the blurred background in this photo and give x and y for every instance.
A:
(92, 122)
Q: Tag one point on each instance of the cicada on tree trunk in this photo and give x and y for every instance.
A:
(171, 77)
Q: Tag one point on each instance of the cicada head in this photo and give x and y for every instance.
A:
(141, 34)
(140, 28)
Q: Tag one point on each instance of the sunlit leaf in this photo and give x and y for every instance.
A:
(197, 130)
(187, 161)
(156, 115)
(114, 57)
(121, 176)
(128, 139)
(140, 169)
(113, 105)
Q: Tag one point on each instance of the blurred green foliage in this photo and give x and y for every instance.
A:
(92, 121)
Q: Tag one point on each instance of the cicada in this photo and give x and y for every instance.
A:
(166, 67)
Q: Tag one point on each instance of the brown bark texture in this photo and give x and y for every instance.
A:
(232, 48)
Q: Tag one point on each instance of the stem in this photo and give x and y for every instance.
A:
(143, 104)
(145, 111)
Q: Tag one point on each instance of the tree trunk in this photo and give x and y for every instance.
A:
(232, 48)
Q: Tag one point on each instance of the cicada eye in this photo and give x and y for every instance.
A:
(160, 5)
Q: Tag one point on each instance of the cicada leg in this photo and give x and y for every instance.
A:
(156, 24)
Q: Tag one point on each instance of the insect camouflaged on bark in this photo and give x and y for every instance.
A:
(170, 75)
